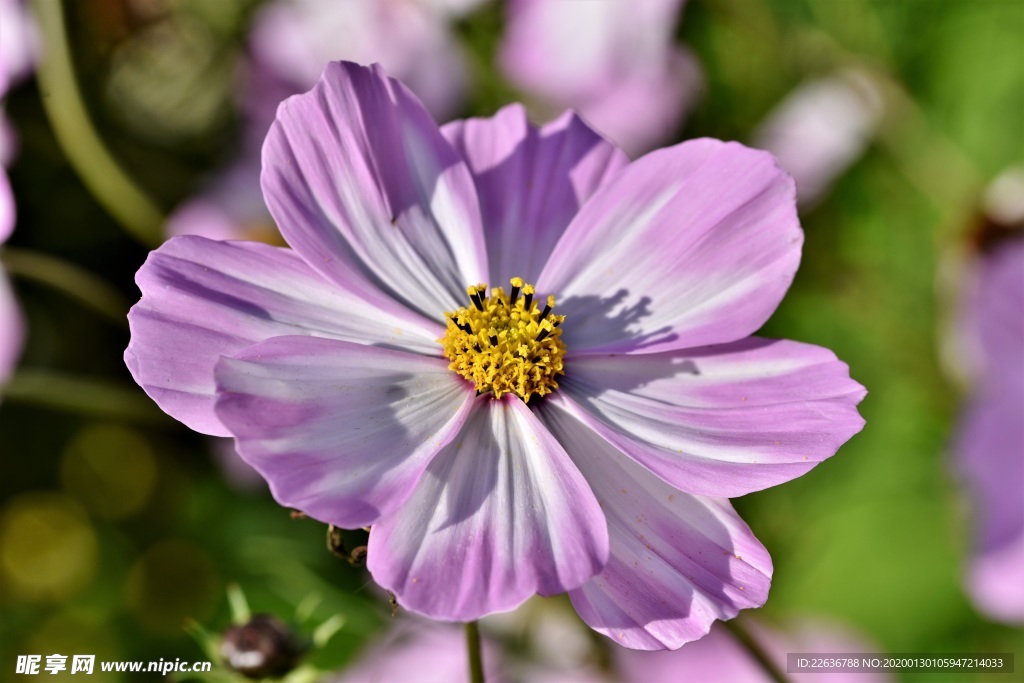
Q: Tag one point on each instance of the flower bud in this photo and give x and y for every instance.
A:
(262, 647)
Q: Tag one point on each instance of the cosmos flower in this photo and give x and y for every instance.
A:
(616, 63)
(578, 429)
(990, 441)
(289, 43)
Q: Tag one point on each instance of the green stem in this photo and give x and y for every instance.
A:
(918, 147)
(476, 662)
(755, 650)
(77, 136)
(82, 395)
(68, 279)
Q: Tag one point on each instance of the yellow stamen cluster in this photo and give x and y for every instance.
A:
(506, 343)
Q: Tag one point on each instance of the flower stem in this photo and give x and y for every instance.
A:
(476, 663)
(68, 279)
(82, 395)
(755, 650)
(79, 139)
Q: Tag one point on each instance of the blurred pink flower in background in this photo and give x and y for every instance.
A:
(820, 129)
(720, 658)
(420, 652)
(990, 443)
(616, 63)
(19, 43)
(229, 207)
(411, 39)
(290, 42)
(18, 48)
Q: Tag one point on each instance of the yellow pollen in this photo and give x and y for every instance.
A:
(505, 343)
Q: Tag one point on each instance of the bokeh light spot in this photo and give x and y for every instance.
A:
(111, 469)
(172, 581)
(48, 548)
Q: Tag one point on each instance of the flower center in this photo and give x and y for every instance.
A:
(506, 344)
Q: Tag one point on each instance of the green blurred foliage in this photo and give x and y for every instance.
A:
(115, 530)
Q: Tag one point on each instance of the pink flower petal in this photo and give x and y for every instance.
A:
(998, 323)
(6, 202)
(362, 184)
(20, 42)
(341, 431)
(642, 109)
(531, 182)
(821, 128)
(720, 656)
(420, 651)
(721, 420)
(499, 515)
(614, 62)
(678, 562)
(990, 439)
(993, 579)
(8, 149)
(203, 299)
(690, 245)
(230, 207)
(565, 49)
(411, 40)
(990, 448)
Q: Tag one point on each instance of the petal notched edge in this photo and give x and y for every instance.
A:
(500, 514)
(203, 299)
(721, 420)
(361, 182)
(678, 562)
(690, 245)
